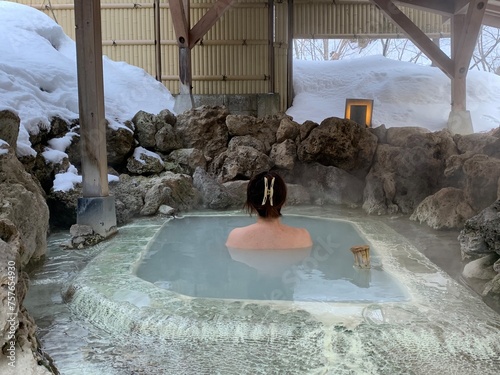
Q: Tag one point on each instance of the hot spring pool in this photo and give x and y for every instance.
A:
(196, 310)
(188, 256)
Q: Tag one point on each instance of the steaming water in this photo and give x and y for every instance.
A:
(116, 323)
(203, 267)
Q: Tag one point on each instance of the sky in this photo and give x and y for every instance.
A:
(38, 81)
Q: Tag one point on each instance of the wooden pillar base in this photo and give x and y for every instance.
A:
(183, 103)
(98, 213)
(460, 122)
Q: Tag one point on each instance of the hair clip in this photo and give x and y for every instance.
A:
(268, 191)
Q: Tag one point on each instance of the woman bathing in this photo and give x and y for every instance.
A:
(266, 194)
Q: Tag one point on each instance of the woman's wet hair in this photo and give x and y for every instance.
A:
(259, 197)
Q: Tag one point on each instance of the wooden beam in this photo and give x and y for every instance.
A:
(208, 20)
(433, 52)
(445, 7)
(91, 98)
(458, 82)
(492, 15)
(460, 6)
(180, 21)
(467, 37)
(157, 40)
(466, 29)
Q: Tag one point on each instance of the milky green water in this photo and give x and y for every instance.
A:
(97, 317)
(188, 256)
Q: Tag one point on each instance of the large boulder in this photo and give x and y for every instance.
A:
(330, 185)
(481, 233)
(288, 129)
(186, 160)
(167, 139)
(146, 127)
(119, 144)
(145, 162)
(447, 209)
(242, 163)
(204, 128)
(22, 201)
(129, 197)
(481, 180)
(264, 129)
(284, 154)
(214, 195)
(247, 140)
(340, 143)
(406, 172)
(478, 143)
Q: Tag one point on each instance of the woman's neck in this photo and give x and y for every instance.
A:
(268, 220)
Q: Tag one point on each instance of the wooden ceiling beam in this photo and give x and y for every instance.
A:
(492, 15)
(427, 46)
(180, 21)
(446, 7)
(461, 6)
(208, 20)
(467, 36)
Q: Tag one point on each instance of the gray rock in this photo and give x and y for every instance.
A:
(284, 154)
(204, 128)
(481, 180)
(288, 129)
(399, 136)
(22, 201)
(340, 143)
(214, 195)
(447, 209)
(238, 190)
(296, 195)
(167, 139)
(245, 162)
(166, 117)
(188, 159)
(477, 143)
(119, 145)
(166, 210)
(9, 127)
(144, 162)
(246, 140)
(156, 196)
(331, 185)
(404, 176)
(306, 128)
(481, 268)
(264, 129)
(145, 129)
(481, 233)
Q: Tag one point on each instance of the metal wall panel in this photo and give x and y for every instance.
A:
(233, 57)
(324, 19)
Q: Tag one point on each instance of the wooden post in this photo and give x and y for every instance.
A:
(157, 40)
(458, 80)
(289, 66)
(270, 36)
(187, 39)
(91, 98)
(465, 30)
(97, 208)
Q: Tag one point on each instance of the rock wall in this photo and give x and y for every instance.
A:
(24, 220)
